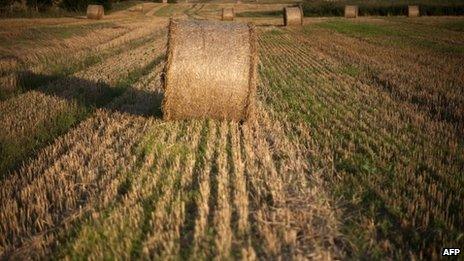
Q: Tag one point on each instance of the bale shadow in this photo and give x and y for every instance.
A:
(96, 94)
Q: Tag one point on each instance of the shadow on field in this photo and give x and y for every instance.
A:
(95, 94)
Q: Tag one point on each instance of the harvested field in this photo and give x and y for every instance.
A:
(228, 14)
(355, 151)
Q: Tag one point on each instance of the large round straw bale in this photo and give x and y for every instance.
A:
(95, 11)
(210, 71)
(351, 11)
(293, 16)
(228, 14)
(413, 11)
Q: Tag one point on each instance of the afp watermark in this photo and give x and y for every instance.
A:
(450, 251)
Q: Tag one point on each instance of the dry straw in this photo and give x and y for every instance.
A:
(413, 11)
(9, 72)
(210, 71)
(228, 14)
(95, 12)
(351, 11)
(293, 16)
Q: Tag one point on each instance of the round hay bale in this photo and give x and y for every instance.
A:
(413, 11)
(210, 71)
(228, 14)
(95, 12)
(351, 11)
(293, 16)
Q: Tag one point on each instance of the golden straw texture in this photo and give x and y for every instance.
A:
(228, 14)
(351, 11)
(293, 16)
(95, 12)
(413, 11)
(210, 71)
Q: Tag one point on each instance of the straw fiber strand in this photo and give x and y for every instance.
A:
(228, 14)
(413, 11)
(293, 16)
(95, 12)
(351, 11)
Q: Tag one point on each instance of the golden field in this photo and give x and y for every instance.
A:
(356, 150)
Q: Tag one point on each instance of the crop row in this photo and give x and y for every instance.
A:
(393, 167)
(61, 104)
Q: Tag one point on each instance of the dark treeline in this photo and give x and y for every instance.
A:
(44, 5)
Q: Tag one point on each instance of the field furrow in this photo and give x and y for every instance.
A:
(354, 149)
(82, 190)
(427, 76)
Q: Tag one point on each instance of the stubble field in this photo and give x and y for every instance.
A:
(356, 151)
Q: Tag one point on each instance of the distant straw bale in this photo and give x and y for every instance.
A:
(95, 12)
(228, 14)
(351, 11)
(137, 8)
(413, 11)
(210, 71)
(293, 16)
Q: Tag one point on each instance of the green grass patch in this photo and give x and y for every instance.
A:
(359, 29)
(374, 175)
(383, 7)
(122, 5)
(33, 36)
(83, 102)
(170, 10)
(14, 151)
(276, 13)
(351, 70)
(58, 68)
(389, 35)
(457, 26)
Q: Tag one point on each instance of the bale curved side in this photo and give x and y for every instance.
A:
(95, 12)
(413, 11)
(228, 14)
(351, 11)
(293, 16)
(210, 71)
